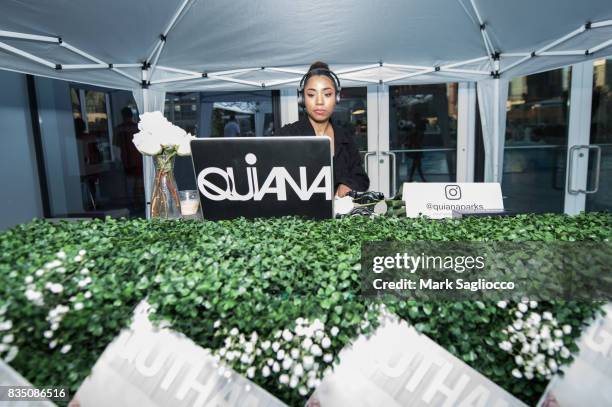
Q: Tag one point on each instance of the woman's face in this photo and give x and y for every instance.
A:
(319, 97)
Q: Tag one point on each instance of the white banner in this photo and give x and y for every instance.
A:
(439, 199)
(399, 367)
(148, 367)
(588, 380)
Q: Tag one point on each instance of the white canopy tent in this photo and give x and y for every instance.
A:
(158, 46)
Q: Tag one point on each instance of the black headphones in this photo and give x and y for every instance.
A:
(318, 71)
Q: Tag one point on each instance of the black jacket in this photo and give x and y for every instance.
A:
(347, 162)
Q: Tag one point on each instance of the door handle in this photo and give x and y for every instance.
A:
(393, 172)
(573, 149)
(365, 160)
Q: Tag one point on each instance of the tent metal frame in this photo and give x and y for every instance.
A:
(150, 65)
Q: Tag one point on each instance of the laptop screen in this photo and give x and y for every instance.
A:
(264, 177)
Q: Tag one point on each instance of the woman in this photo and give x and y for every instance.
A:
(318, 94)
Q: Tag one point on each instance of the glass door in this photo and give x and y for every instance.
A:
(599, 187)
(536, 142)
(422, 133)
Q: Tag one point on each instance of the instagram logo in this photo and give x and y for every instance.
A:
(452, 192)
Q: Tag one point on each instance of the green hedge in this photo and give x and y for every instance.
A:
(283, 279)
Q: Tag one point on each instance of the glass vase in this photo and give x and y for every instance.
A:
(165, 202)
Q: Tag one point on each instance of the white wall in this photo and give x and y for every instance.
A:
(20, 197)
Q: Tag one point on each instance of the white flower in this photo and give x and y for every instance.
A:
(505, 345)
(518, 314)
(77, 258)
(547, 315)
(565, 353)
(295, 353)
(6, 325)
(82, 252)
(320, 334)
(558, 333)
(294, 382)
(66, 348)
(298, 370)
(265, 345)
(280, 354)
(78, 306)
(53, 264)
(518, 359)
(8, 338)
(328, 357)
(265, 371)
(87, 294)
(35, 296)
(54, 326)
(248, 347)
(276, 367)
(39, 272)
(533, 304)
(326, 343)
(334, 331)
(60, 270)
(234, 331)
(516, 373)
(29, 279)
(287, 335)
(12, 353)
(299, 321)
(217, 324)
(535, 318)
(567, 329)
(250, 372)
(308, 362)
(502, 304)
(241, 290)
(303, 391)
(283, 379)
(84, 271)
(287, 363)
(84, 282)
(52, 344)
(61, 255)
(55, 288)
(552, 365)
(48, 334)
(275, 346)
(307, 343)
(316, 350)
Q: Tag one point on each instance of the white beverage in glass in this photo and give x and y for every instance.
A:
(189, 202)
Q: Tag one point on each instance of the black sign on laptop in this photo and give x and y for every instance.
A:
(264, 177)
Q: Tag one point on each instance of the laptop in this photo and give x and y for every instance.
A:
(255, 177)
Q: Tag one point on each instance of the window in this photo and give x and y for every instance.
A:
(219, 114)
(92, 166)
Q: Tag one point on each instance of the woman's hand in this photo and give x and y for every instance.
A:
(342, 190)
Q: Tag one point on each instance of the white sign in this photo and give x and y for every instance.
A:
(588, 380)
(399, 367)
(149, 367)
(438, 199)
